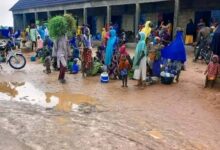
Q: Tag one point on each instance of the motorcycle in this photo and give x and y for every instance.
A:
(15, 58)
(204, 51)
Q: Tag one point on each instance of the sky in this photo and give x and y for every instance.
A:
(6, 18)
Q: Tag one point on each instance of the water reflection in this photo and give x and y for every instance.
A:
(26, 92)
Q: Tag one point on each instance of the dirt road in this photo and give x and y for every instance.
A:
(41, 114)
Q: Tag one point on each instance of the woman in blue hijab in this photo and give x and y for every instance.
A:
(111, 55)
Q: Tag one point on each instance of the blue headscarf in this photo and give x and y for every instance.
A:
(110, 47)
(41, 31)
(176, 50)
(141, 47)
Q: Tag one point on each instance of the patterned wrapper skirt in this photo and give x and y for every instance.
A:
(87, 58)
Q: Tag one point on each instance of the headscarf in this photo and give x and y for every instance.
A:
(110, 47)
(41, 31)
(215, 56)
(147, 29)
(79, 31)
(175, 50)
(87, 38)
(123, 50)
(139, 49)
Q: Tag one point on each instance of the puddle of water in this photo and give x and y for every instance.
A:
(155, 134)
(26, 92)
(69, 102)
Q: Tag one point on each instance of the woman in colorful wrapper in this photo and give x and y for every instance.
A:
(87, 53)
(140, 60)
(212, 71)
(112, 55)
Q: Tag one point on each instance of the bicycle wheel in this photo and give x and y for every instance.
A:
(17, 62)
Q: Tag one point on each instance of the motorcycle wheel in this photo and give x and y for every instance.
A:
(17, 62)
(208, 57)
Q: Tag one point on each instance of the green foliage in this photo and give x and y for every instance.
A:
(71, 24)
(62, 25)
(57, 27)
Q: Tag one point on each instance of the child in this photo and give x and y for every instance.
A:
(212, 71)
(40, 45)
(123, 51)
(75, 67)
(124, 67)
(47, 63)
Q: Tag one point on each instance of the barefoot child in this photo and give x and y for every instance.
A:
(212, 71)
(124, 67)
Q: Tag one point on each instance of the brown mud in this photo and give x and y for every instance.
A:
(83, 114)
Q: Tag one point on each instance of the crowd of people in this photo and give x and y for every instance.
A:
(156, 54)
(206, 40)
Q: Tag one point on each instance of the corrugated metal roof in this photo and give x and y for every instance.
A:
(27, 4)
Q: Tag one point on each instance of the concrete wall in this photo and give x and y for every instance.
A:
(152, 16)
(184, 17)
(18, 22)
(80, 20)
(100, 24)
(128, 22)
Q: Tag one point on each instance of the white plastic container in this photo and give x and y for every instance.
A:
(104, 78)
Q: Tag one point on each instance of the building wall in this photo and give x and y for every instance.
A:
(100, 24)
(80, 20)
(152, 17)
(184, 17)
(18, 22)
(128, 22)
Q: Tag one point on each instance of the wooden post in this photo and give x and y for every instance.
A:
(176, 16)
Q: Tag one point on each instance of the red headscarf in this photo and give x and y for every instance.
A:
(123, 50)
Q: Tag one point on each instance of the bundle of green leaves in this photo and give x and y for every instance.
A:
(57, 27)
(61, 25)
(71, 24)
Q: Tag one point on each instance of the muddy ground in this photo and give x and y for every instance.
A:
(37, 112)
